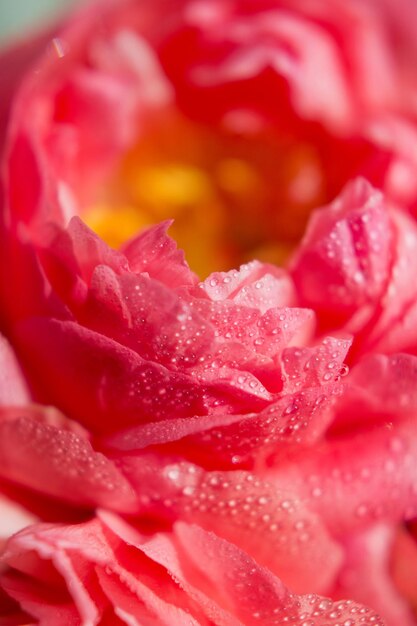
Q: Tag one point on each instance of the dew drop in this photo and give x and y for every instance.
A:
(173, 473)
(291, 408)
(361, 510)
(344, 370)
(396, 445)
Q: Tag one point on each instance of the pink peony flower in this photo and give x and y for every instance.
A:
(222, 463)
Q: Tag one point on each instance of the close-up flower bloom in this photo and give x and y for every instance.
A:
(208, 382)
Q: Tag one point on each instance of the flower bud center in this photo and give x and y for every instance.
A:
(233, 196)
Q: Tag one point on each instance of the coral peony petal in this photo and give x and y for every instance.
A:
(380, 389)
(13, 518)
(315, 367)
(126, 385)
(344, 261)
(206, 579)
(147, 317)
(366, 575)
(79, 249)
(240, 440)
(200, 560)
(13, 387)
(254, 284)
(42, 450)
(358, 479)
(394, 328)
(157, 254)
(242, 509)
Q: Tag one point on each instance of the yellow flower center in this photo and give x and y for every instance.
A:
(233, 197)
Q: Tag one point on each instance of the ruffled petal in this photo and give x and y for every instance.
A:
(241, 508)
(42, 450)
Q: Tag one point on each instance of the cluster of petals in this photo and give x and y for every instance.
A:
(237, 450)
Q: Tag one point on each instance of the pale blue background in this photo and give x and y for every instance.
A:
(20, 16)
